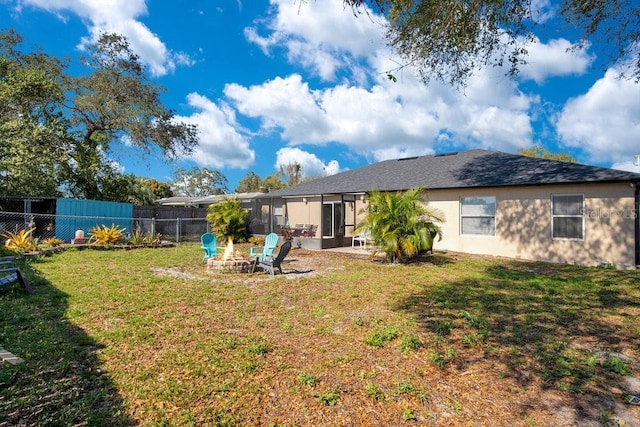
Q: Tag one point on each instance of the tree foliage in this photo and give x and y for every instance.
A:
(129, 188)
(249, 184)
(450, 39)
(159, 189)
(401, 224)
(291, 173)
(114, 100)
(228, 219)
(197, 182)
(272, 182)
(32, 129)
(541, 153)
(56, 131)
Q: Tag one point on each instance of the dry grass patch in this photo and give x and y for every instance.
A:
(149, 337)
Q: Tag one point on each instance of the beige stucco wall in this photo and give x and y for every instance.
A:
(300, 212)
(523, 224)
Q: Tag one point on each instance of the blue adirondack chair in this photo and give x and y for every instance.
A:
(262, 252)
(209, 245)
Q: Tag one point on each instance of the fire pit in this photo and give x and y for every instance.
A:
(231, 265)
(230, 261)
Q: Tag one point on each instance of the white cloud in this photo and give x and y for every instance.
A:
(367, 113)
(220, 143)
(555, 58)
(311, 165)
(604, 122)
(324, 37)
(360, 109)
(629, 166)
(388, 119)
(542, 10)
(118, 16)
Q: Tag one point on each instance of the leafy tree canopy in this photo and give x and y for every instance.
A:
(32, 130)
(132, 189)
(198, 182)
(448, 40)
(287, 175)
(272, 183)
(56, 130)
(249, 184)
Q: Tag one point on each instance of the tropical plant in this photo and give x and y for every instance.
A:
(53, 241)
(256, 240)
(103, 235)
(228, 220)
(21, 241)
(401, 224)
(138, 237)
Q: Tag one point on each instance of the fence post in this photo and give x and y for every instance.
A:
(178, 230)
(153, 226)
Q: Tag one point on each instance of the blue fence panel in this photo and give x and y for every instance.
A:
(74, 214)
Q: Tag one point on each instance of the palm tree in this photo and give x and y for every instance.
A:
(228, 219)
(401, 224)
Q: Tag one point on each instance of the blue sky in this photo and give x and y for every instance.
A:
(282, 81)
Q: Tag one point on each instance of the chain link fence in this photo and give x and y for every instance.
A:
(174, 229)
(64, 227)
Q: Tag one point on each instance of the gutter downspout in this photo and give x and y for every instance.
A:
(637, 222)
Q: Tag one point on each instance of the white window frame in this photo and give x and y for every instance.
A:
(578, 215)
(493, 216)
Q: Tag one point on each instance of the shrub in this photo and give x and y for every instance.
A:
(103, 235)
(140, 238)
(256, 241)
(53, 241)
(21, 241)
(229, 220)
(401, 224)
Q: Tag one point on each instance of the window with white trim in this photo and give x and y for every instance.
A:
(567, 216)
(478, 216)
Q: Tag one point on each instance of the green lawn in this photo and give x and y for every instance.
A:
(149, 337)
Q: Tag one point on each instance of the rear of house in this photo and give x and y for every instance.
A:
(494, 203)
(593, 224)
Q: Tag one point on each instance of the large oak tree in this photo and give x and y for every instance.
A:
(117, 100)
(56, 130)
(448, 40)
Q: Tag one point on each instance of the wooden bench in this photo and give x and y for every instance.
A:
(10, 274)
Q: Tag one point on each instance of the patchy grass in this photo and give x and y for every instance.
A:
(149, 337)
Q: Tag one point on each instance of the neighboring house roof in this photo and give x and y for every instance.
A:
(465, 169)
(207, 200)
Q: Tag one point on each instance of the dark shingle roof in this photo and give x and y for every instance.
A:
(465, 169)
